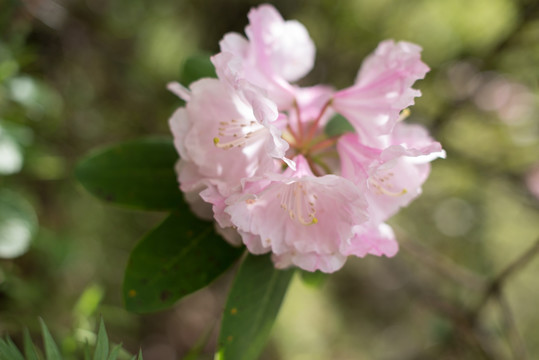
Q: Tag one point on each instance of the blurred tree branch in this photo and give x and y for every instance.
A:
(444, 265)
(518, 347)
(466, 320)
(496, 284)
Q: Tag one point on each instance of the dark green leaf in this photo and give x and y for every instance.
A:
(138, 174)
(338, 125)
(251, 308)
(197, 67)
(30, 351)
(51, 350)
(102, 344)
(183, 254)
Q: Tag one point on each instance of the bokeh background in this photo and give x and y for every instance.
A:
(77, 74)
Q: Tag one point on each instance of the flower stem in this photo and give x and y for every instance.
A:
(294, 135)
(298, 115)
(314, 125)
(313, 167)
(319, 162)
(324, 144)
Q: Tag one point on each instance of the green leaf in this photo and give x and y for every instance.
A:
(251, 308)
(30, 351)
(86, 351)
(314, 279)
(137, 174)
(183, 254)
(124, 354)
(197, 67)
(102, 344)
(8, 350)
(51, 350)
(88, 301)
(115, 352)
(338, 125)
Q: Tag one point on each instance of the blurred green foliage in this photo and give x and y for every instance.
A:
(100, 348)
(75, 75)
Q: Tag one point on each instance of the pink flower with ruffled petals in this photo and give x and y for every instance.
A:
(393, 175)
(237, 134)
(223, 139)
(300, 217)
(371, 239)
(275, 53)
(383, 88)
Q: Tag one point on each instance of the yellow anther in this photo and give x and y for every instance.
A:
(404, 114)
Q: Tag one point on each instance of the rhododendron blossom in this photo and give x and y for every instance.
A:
(255, 156)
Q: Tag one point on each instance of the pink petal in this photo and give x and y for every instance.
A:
(300, 215)
(375, 240)
(275, 53)
(382, 89)
(282, 48)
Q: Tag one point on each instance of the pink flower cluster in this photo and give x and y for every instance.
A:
(255, 157)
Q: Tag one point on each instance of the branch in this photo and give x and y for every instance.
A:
(464, 326)
(515, 340)
(443, 265)
(497, 282)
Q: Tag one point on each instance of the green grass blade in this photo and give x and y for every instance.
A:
(8, 350)
(115, 352)
(30, 350)
(51, 350)
(86, 351)
(102, 345)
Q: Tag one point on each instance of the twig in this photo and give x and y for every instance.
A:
(444, 265)
(497, 282)
(517, 264)
(466, 322)
(464, 326)
(515, 340)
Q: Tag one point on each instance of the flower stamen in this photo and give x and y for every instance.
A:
(297, 202)
(238, 133)
(404, 114)
(383, 187)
